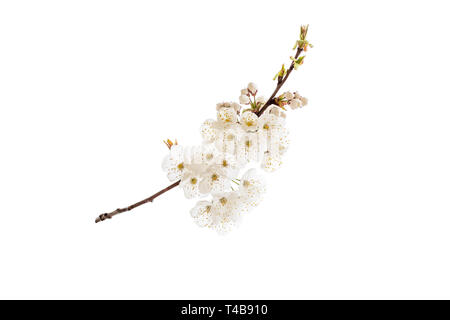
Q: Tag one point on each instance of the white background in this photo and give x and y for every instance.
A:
(88, 90)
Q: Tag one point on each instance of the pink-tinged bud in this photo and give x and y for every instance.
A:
(252, 88)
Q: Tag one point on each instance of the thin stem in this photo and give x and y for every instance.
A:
(279, 85)
(105, 216)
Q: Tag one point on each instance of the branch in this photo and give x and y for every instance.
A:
(105, 216)
(271, 100)
(279, 85)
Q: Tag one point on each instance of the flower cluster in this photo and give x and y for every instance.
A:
(237, 138)
(293, 100)
(251, 131)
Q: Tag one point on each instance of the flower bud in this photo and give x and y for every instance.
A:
(304, 101)
(252, 88)
(244, 99)
(295, 103)
(261, 99)
(288, 95)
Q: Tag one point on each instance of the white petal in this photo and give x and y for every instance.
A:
(204, 186)
(249, 121)
(174, 174)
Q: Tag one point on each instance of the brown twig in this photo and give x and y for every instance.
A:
(105, 216)
(279, 85)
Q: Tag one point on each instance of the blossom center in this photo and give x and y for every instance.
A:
(193, 180)
(214, 177)
(180, 166)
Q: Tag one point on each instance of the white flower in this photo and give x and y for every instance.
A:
(227, 137)
(244, 99)
(271, 163)
(249, 121)
(214, 180)
(253, 184)
(252, 181)
(252, 88)
(229, 165)
(244, 92)
(174, 163)
(209, 154)
(202, 213)
(251, 189)
(227, 115)
(190, 184)
(268, 122)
